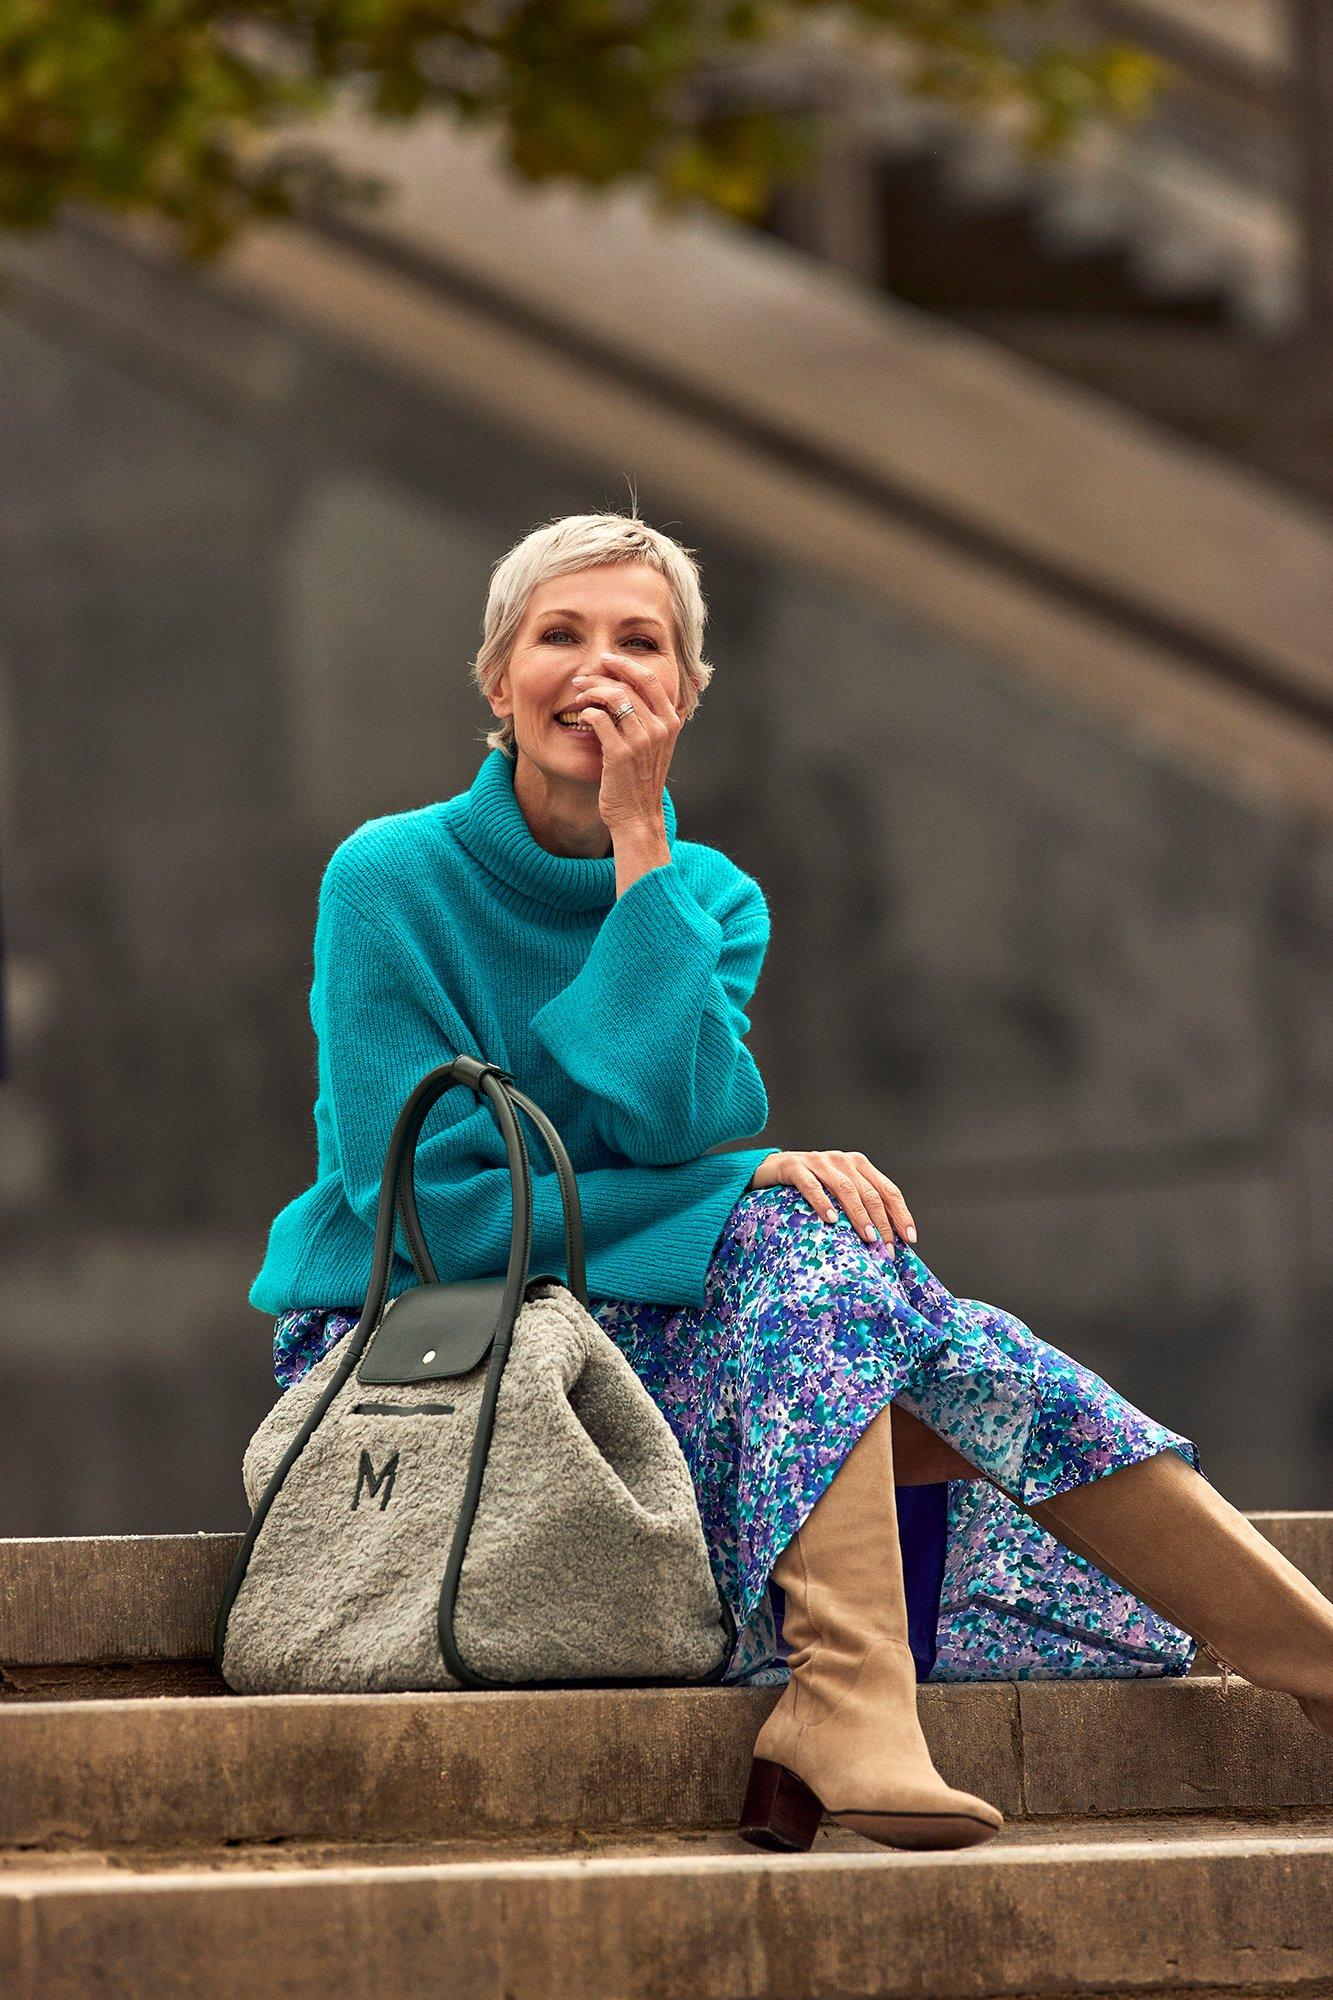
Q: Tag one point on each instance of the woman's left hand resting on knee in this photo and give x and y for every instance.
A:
(874, 1202)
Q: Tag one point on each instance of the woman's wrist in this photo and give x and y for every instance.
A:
(638, 850)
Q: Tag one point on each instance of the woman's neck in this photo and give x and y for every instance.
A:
(562, 816)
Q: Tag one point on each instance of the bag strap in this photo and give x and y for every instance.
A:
(398, 1195)
(500, 1087)
(397, 1191)
(398, 1185)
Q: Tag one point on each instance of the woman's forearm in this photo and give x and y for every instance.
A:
(652, 1026)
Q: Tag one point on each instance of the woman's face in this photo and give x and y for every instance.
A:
(570, 621)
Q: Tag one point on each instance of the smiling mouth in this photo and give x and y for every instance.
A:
(576, 728)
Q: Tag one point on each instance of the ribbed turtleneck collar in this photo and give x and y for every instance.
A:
(489, 821)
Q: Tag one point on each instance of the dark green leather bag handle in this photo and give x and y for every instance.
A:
(433, 1331)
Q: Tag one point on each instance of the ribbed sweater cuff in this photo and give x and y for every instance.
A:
(656, 929)
(660, 897)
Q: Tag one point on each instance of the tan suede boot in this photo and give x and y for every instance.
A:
(844, 1738)
(1164, 1532)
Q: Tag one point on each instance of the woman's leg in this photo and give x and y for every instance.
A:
(803, 1338)
(921, 1457)
(1130, 1497)
(1034, 1423)
(1162, 1530)
(845, 1737)
(780, 1390)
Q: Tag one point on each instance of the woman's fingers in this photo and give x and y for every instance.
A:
(621, 676)
(811, 1187)
(834, 1174)
(845, 1175)
(893, 1197)
(873, 1202)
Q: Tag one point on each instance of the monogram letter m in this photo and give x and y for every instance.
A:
(367, 1475)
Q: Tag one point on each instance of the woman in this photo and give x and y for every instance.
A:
(915, 1484)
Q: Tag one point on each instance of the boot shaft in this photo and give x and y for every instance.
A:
(842, 1572)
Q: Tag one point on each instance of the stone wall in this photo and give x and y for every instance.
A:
(1072, 997)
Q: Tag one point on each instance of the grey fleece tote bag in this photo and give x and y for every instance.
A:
(472, 1488)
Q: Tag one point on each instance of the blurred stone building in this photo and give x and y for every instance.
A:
(1021, 717)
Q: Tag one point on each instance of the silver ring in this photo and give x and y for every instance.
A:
(626, 708)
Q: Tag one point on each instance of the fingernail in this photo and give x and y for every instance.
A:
(872, 1232)
(580, 677)
(830, 1215)
(911, 1232)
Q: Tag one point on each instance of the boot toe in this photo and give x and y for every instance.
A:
(924, 1816)
(983, 1810)
(973, 1822)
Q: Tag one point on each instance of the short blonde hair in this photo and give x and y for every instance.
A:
(585, 541)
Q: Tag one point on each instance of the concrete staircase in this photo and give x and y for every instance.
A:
(162, 1837)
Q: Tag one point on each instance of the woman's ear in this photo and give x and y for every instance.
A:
(498, 697)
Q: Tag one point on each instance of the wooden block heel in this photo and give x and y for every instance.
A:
(780, 1810)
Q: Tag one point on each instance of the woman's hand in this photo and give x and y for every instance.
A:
(637, 750)
(872, 1200)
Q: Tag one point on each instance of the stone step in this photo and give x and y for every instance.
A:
(95, 1599)
(141, 1601)
(173, 1771)
(582, 1842)
(1143, 1909)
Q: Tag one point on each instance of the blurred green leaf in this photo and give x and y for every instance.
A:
(160, 106)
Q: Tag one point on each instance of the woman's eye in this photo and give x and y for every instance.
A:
(563, 632)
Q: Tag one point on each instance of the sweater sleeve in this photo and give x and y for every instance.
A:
(652, 1027)
(381, 1026)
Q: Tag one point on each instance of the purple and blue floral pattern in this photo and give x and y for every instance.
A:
(806, 1332)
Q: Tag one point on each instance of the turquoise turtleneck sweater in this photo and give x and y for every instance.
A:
(449, 929)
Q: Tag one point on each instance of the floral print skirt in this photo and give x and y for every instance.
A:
(806, 1333)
